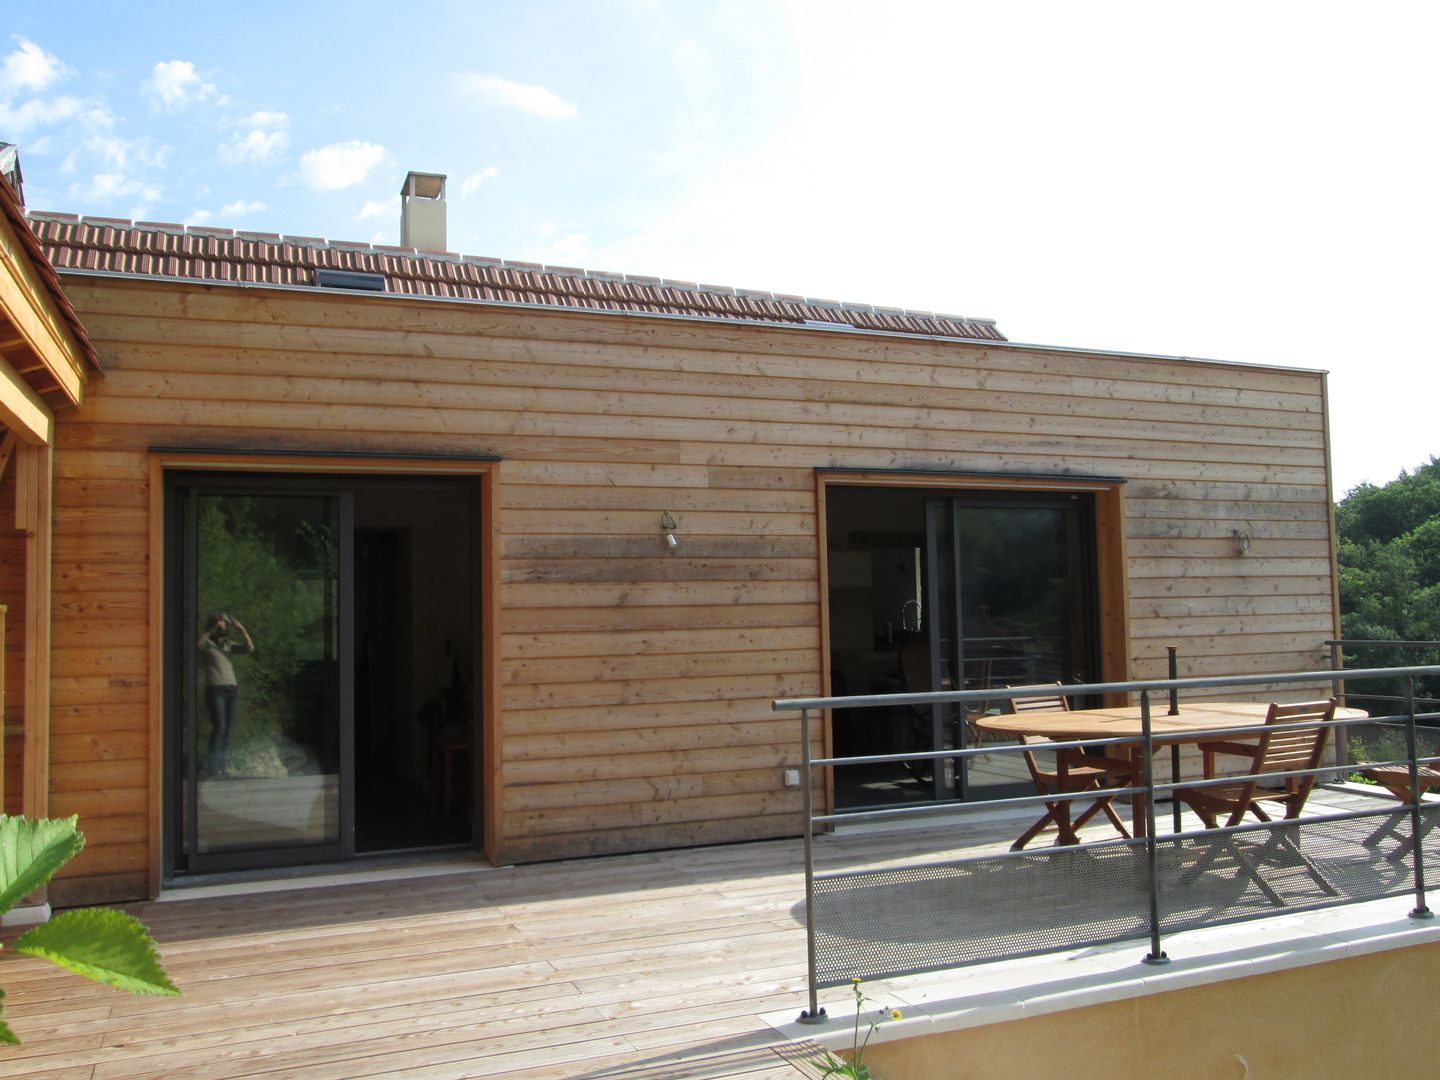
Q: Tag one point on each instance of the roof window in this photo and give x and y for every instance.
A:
(349, 279)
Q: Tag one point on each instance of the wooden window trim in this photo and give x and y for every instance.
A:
(486, 471)
(1112, 578)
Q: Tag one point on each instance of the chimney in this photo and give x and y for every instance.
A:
(422, 211)
(10, 170)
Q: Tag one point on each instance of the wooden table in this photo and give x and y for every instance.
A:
(1197, 722)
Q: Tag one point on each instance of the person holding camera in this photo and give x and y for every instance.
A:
(223, 638)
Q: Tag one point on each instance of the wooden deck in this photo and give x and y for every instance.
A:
(647, 967)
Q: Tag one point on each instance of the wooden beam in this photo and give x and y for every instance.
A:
(491, 743)
(155, 811)
(4, 614)
(22, 410)
(7, 451)
(35, 471)
(28, 305)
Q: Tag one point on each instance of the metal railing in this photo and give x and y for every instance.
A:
(903, 919)
(1337, 649)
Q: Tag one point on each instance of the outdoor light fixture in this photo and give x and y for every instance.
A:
(1242, 542)
(668, 527)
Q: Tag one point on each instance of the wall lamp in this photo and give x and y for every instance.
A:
(1242, 542)
(668, 527)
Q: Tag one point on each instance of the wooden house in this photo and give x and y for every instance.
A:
(359, 549)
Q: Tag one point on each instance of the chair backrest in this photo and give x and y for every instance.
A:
(1298, 749)
(1048, 703)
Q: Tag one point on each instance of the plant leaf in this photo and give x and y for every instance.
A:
(6, 1035)
(101, 944)
(31, 851)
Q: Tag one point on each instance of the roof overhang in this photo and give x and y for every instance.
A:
(46, 359)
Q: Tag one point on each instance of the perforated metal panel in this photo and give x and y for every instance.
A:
(921, 918)
(1206, 879)
(875, 923)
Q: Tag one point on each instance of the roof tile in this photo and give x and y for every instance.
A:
(114, 245)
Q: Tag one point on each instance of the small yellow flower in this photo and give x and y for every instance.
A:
(896, 1014)
(856, 980)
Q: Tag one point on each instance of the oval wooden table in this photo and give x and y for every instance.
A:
(1197, 721)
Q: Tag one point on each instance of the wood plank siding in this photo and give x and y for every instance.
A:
(632, 684)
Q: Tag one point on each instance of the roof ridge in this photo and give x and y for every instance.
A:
(647, 281)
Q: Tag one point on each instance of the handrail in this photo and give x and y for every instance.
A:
(1148, 787)
(862, 701)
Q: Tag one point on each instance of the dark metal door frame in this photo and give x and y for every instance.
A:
(183, 490)
(951, 505)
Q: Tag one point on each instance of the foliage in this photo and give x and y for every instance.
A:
(1389, 561)
(1388, 744)
(266, 562)
(855, 1068)
(107, 946)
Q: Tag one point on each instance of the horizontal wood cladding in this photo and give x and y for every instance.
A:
(635, 680)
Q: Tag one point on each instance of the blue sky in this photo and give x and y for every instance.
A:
(1247, 182)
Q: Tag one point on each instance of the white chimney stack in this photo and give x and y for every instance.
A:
(422, 211)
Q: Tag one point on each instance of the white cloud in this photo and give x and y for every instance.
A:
(254, 146)
(557, 249)
(16, 120)
(374, 209)
(114, 185)
(198, 217)
(535, 100)
(472, 183)
(174, 84)
(340, 165)
(261, 138)
(28, 69)
(241, 207)
(265, 120)
(121, 153)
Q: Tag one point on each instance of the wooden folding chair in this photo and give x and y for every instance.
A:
(1396, 780)
(1272, 752)
(1074, 771)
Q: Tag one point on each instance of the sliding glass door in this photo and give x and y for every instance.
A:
(1012, 587)
(262, 753)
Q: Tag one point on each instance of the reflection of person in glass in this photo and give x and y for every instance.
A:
(223, 637)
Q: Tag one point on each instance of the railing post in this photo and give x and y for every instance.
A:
(1417, 846)
(1152, 849)
(815, 1014)
(1337, 663)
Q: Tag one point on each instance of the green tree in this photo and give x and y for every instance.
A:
(271, 562)
(1389, 563)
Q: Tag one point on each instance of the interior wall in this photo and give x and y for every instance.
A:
(437, 594)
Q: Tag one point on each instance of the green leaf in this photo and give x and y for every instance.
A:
(101, 944)
(6, 1035)
(31, 852)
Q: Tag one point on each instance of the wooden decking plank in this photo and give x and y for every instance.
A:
(530, 1001)
(318, 1043)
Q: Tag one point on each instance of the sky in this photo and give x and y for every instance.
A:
(1235, 181)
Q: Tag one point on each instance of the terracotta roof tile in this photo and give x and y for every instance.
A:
(113, 245)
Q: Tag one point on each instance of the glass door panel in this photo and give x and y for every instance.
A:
(1025, 607)
(265, 685)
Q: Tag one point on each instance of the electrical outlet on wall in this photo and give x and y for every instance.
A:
(792, 777)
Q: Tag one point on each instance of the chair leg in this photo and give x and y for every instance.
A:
(1115, 819)
(1280, 838)
(1034, 830)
